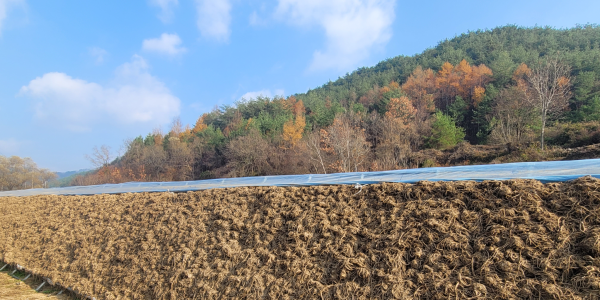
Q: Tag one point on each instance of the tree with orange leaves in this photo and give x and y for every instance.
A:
(520, 76)
(385, 94)
(186, 135)
(462, 80)
(478, 94)
(480, 76)
(295, 106)
(293, 129)
(465, 78)
(298, 108)
(401, 109)
(200, 124)
(383, 90)
(394, 85)
(420, 89)
(472, 79)
(157, 136)
(446, 83)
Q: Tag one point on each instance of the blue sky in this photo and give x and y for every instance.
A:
(79, 74)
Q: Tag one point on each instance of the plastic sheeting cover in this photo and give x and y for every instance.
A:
(551, 171)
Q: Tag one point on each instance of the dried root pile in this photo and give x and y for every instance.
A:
(459, 240)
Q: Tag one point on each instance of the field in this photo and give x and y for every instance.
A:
(430, 240)
(11, 288)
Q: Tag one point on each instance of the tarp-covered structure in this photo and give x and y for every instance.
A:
(549, 171)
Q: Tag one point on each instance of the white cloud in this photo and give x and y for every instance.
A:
(166, 8)
(214, 18)
(262, 93)
(133, 96)
(98, 54)
(168, 44)
(9, 146)
(4, 6)
(352, 27)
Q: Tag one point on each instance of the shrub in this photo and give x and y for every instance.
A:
(429, 163)
(574, 134)
(445, 134)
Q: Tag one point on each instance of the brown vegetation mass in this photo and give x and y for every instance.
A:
(431, 240)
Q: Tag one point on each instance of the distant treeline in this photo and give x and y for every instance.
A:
(18, 173)
(509, 85)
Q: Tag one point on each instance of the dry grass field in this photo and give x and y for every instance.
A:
(11, 288)
(517, 239)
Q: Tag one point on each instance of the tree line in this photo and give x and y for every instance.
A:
(377, 118)
(18, 173)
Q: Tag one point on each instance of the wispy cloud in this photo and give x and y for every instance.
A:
(167, 44)
(133, 96)
(214, 19)
(352, 27)
(98, 54)
(166, 9)
(5, 5)
(262, 93)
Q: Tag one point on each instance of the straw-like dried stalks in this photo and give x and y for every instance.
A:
(459, 240)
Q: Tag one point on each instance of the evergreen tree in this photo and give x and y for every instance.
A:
(445, 133)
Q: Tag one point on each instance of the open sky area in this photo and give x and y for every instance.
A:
(79, 74)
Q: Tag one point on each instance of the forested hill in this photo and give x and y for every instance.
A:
(523, 87)
(502, 49)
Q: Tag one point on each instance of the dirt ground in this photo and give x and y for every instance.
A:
(11, 288)
(517, 239)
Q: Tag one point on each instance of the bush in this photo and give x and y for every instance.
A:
(574, 134)
(445, 134)
(428, 163)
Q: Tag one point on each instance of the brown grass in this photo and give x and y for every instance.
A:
(457, 240)
(11, 288)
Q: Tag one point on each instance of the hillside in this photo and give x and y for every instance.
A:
(501, 49)
(535, 89)
(64, 178)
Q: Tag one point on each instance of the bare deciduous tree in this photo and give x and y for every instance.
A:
(155, 161)
(100, 156)
(393, 142)
(249, 155)
(317, 154)
(176, 127)
(551, 82)
(347, 141)
(512, 113)
(181, 159)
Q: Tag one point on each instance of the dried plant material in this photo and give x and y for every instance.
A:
(431, 240)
